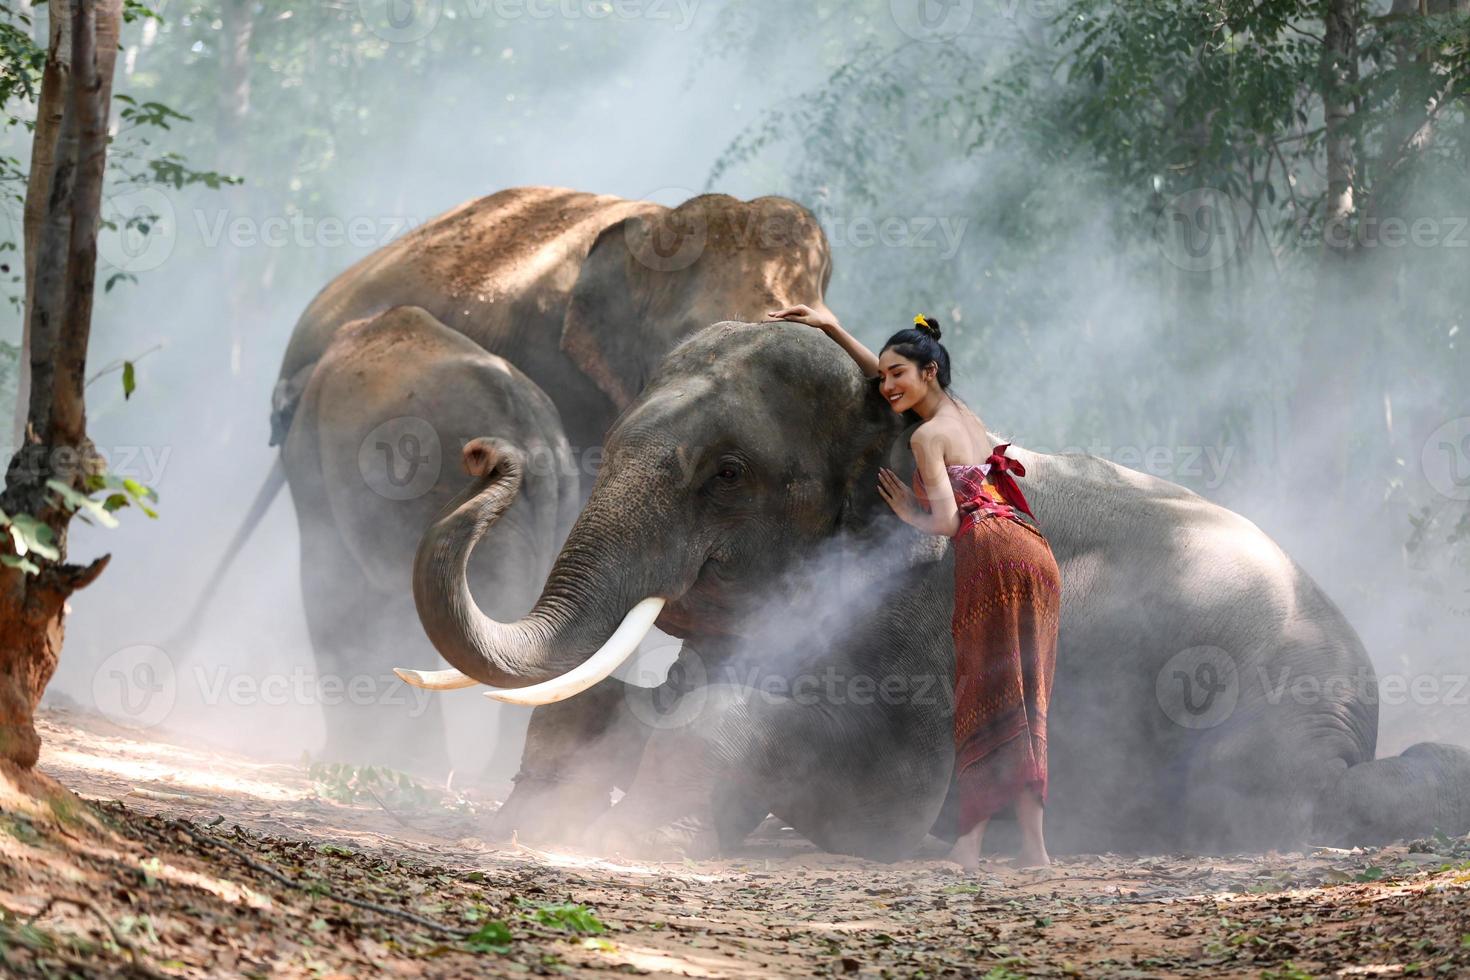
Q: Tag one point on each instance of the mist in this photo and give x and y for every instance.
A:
(1067, 335)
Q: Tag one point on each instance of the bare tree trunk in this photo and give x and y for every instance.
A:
(1339, 76)
(50, 108)
(1326, 374)
(33, 605)
(94, 56)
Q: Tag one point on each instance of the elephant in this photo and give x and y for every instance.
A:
(582, 292)
(738, 500)
(391, 398)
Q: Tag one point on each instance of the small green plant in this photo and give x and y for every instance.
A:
(569, 917)
(31, 538)
(347, 783)
(492, 937)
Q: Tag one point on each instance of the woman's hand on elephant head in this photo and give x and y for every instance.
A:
(805, 314)
(903, 501)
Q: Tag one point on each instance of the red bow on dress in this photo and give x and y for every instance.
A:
(1001, 468)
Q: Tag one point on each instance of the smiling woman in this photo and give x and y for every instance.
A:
(1007, 600)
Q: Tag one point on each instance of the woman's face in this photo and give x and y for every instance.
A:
(901, 382)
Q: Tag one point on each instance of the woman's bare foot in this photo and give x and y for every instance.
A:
(1033, 859)
(965, 854)
(966, 850)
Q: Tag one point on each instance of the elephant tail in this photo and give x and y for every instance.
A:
(1423, 791)
(184, 638)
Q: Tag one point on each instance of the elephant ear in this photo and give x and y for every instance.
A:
(602, 332)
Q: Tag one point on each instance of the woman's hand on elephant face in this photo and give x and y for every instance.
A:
(899, 496)
(805, 314)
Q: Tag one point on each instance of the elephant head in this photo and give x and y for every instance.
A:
(751, 445)
(656, 277)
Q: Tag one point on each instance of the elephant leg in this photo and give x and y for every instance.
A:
(1424, 790)
(737, 811)
(837, 769)
(577, 752)
(1251, 785)
(356, 633)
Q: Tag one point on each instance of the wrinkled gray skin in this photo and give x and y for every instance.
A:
(367, 477)
(583, 293)
(754, 449)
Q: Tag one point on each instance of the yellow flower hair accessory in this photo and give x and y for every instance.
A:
(921, 320)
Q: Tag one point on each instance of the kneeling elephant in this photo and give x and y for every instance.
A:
(738, 503)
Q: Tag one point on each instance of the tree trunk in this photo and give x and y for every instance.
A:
(50, 108)
(1319, 447)
(33, 604)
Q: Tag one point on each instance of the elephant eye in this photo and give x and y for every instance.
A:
(728, 473)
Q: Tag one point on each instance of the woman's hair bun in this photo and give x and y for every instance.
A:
(927, 324)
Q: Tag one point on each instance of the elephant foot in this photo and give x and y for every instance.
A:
(547, 814)
(687, 837)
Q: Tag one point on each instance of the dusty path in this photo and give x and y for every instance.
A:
(214, 864)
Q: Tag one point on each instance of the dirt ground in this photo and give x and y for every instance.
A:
(197, 862)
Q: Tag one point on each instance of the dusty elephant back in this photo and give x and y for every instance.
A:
(472, 269)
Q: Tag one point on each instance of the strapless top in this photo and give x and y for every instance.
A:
(984, 490)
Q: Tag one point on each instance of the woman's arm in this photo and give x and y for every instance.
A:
(944, 516)
(866, 360)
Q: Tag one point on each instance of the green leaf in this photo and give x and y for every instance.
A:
(81, 502)
(15, 561)
(27, 535)
(129, 380)
(492, 937)
(137, 489)
(569, 916)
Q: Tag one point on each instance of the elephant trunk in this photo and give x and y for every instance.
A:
(582, 609)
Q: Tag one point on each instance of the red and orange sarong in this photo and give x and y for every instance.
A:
(1007, 607)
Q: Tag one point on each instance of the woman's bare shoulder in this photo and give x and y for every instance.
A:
(942, 435)
(950, 437)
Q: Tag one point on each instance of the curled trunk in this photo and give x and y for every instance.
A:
(593, 592)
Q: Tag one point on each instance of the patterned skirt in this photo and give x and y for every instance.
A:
(1007, 608)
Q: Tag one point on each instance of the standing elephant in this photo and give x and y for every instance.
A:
(392, 399)
(738, 500)
(583, 293)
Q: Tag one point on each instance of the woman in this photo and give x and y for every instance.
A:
(1007, 586)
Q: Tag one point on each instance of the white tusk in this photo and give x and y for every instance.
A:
(619, 647)
(435, 680)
